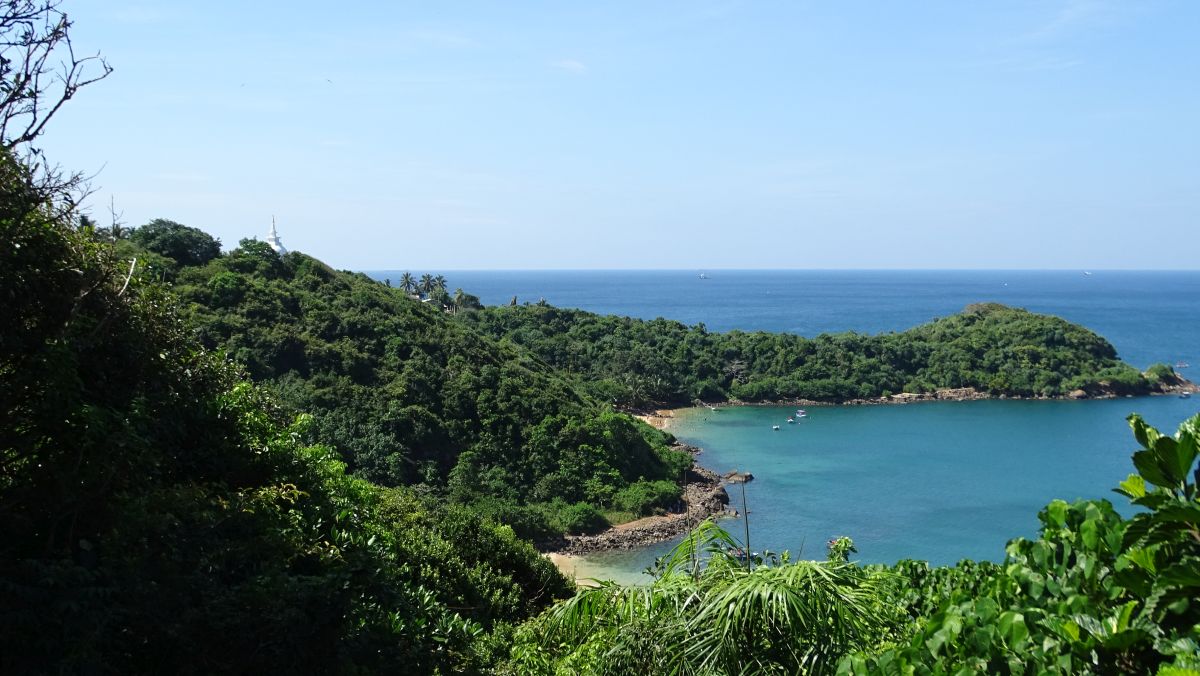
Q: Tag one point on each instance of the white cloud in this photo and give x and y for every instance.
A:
(571, 66)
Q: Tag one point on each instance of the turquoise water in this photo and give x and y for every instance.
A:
(940, 481)
(935, 481)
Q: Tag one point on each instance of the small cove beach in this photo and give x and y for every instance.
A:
(940, 481)
(934, 480)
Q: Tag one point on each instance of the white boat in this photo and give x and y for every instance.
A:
(1185, 395)
(790, 421)
(775, 427)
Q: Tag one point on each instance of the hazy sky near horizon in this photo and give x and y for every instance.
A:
(698, 135)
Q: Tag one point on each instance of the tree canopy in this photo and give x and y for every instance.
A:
(162, 514)
(409, 396)
(182, 244)
(990, 347)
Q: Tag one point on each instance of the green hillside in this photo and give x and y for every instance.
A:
(410, 396)
(990, 347)
(163, 515)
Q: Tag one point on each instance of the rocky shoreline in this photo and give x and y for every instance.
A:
(1181, 386)
(703, 496)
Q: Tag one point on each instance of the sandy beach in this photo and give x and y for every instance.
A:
(659, 419)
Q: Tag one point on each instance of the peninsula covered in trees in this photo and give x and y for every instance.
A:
(989, 347)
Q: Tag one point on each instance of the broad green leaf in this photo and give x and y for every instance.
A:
(1145, 434)
(1057, 512)
(1147, 464)
(1183, 457)
(1186, 573)
(1167, 456)
(1088, 532)
(1087, 564)
(934, 643)
(1134, 487)
(1188, 513)
(1124, 615)
(1012, 625)
(1069, 629)
(1141, 557)
(1036, 586)
(986, 609)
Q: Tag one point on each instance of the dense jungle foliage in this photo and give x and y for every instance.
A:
(1096, 593)
(162, 515)
(409, 396)
(990, 347)
(500, 408)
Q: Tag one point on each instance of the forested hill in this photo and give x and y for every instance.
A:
(161, 515)
(990, 347)
(509, 409)
(409, 396)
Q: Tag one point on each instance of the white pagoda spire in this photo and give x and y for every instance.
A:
(273, 239)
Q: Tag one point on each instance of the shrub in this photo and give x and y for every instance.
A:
(579, 518)
(643, 497)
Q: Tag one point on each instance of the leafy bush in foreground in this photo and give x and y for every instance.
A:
(1095, 593)
(723, 617)
(161, 515)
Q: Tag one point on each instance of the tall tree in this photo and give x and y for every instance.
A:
(184, 245)
(408, 282)
(427, 283)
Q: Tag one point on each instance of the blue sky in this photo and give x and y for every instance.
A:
(696, 135)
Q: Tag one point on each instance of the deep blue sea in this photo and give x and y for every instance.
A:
(935, 481)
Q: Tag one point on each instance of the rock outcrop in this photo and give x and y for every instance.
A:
(703, 496)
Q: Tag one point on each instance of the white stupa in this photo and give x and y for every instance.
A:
(273, 239)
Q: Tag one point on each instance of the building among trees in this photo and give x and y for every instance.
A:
(273, 239)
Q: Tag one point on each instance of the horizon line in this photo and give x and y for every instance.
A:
(706, 270)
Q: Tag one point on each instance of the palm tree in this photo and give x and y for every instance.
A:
(427, 284)
(724, 617)
(458, 300)
(440, 282)
(408, 282)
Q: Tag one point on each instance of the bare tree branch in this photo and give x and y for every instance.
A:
(39, 72)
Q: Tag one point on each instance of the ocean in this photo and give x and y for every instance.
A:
(936, 481)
